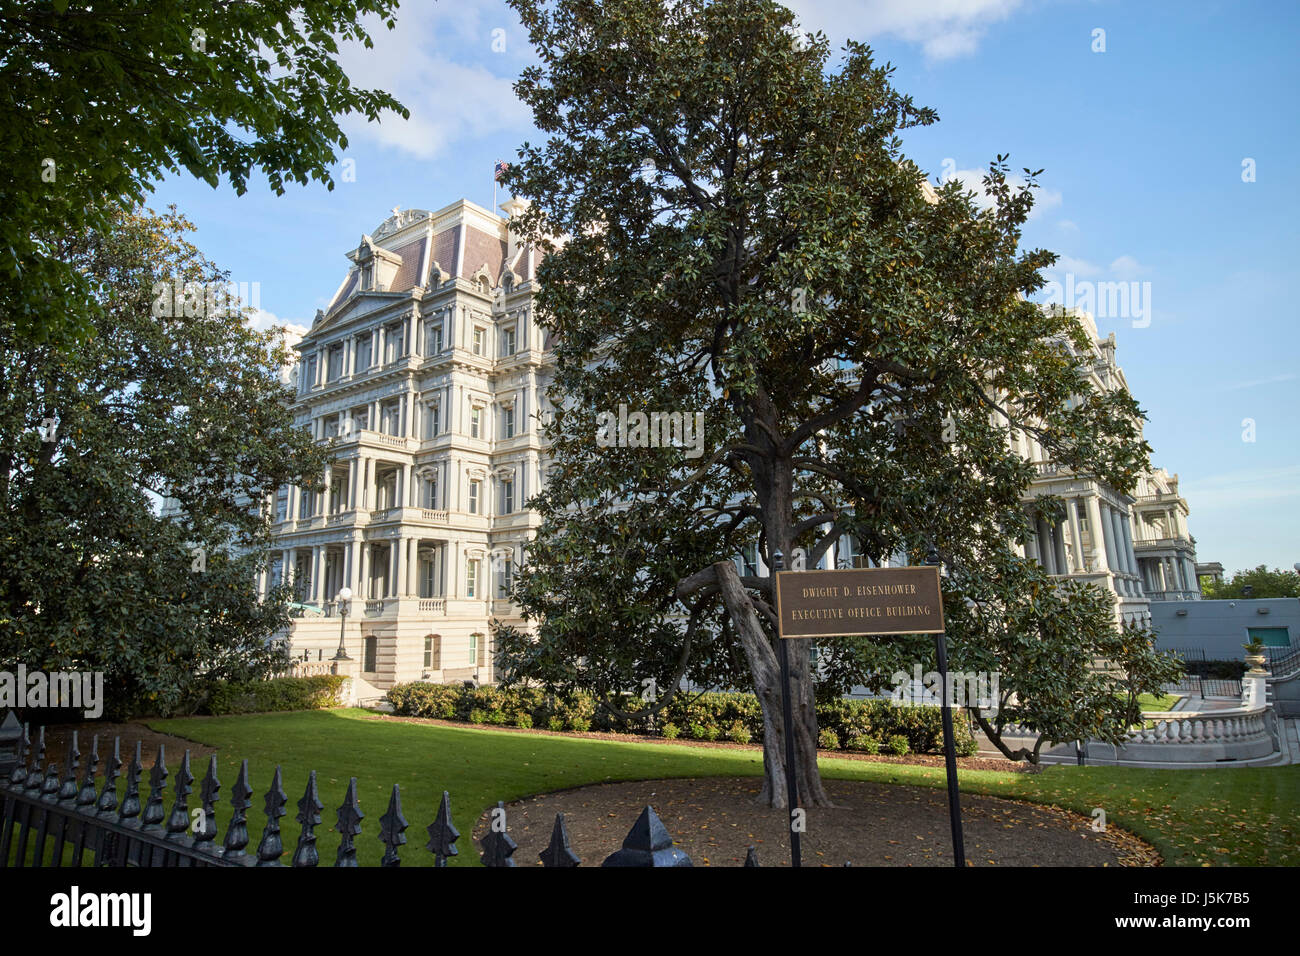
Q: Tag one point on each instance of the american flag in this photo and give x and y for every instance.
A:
(501, 167)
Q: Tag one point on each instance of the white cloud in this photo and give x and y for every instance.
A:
(1252, 383)
(973, 180)
(944, 29)
(264, 321)
(1126, 268)
(1230, 489)
(440, 64)
(1068, 225)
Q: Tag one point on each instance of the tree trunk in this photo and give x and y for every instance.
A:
(766, 670)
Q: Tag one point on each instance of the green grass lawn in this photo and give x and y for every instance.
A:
(1150, 702)
(1245, 816)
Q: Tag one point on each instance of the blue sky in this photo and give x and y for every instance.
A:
(1142, 144)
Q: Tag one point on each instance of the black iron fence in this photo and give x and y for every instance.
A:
(1193, 686)
(75, 818)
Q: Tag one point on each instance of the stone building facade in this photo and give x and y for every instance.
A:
(427, 373)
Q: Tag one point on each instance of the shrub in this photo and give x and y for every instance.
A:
(496, 717)
(828, 739)
(280, 693)
(966, 746)
(670, 731)
(523, 721)
(869, 745)
(706, 716)
(897, 745)
(739, 733)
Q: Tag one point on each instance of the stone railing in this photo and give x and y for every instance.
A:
(1245, 732)
(307, 669)
(433, 605)
(430, 514)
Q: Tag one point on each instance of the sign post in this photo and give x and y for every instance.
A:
(866, 602)
(787, 714)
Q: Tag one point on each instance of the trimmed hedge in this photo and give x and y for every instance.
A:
(867, 726)
(280, 693)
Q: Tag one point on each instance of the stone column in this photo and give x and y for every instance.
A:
(1058, 546)
(1106, 530)
(1046, 552)
(394, 566)
(1129, 555)
(1080, 561)
(1099, 562)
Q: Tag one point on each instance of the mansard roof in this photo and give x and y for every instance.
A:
(462, 240)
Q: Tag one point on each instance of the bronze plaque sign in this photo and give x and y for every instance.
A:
(859, 602)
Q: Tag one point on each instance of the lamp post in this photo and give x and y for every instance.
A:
(344, 597)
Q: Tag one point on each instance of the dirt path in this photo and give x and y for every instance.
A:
(715, 820)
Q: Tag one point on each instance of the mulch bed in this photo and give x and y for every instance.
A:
(59, 736)
(715, 819)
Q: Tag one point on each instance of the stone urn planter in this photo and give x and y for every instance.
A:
(1256, 659)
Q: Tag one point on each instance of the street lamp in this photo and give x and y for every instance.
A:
(344, 597)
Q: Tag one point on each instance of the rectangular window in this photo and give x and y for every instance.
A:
(432, 420)
(428, 653)
(433, 340)
(391, 413)
(363, 353)
(475, 422)
(749, 560)
(505, 579)
(309, 373)
(394, 342)
(474, 488)
(361, 418)
(431, 492)
(507, 342)
(334, 368)
(1270, 636)
(471, 578)
(508, 422)
(282, 504)
(507, 496)
(480, 335)
(304, 504)
(371, 655)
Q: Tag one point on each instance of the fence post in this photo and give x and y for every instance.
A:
(648, 843)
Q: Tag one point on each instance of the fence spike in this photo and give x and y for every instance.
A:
(648, 843)
(751, 858)
(19, 773)
(309, 810)
(497, 844)
(34, 776)
(271, 846)
(392, 828)
(443, 833)
(205, 833)
(128, 814)
(558, 853)
(152, 817)
(349, 826)
(86, 795)
(237, 831)
(178, 822)
(112, 769)
(69, 788)
(50, 785)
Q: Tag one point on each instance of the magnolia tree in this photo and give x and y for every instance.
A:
(159, 401)
(747, 247)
